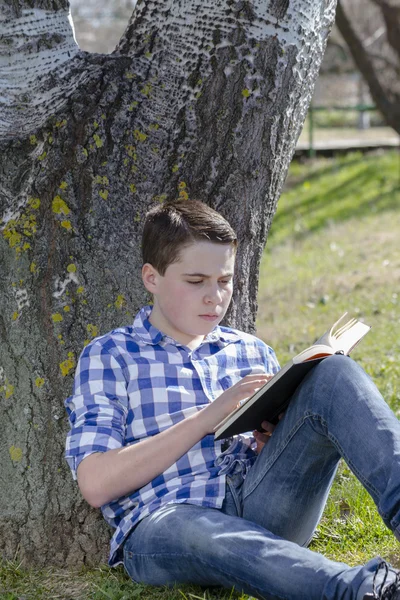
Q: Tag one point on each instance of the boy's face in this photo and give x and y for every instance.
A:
(191, 298)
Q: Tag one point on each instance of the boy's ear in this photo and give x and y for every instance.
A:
(150, 276)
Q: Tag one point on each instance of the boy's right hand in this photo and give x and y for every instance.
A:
(222, 406)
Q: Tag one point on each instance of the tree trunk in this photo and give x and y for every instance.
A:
(380, 81)
(201, 99)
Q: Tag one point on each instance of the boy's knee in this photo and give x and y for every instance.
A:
(339, 364)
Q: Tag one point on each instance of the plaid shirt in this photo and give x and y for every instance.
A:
(135, 382)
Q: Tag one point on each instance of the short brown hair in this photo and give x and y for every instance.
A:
(171, 226)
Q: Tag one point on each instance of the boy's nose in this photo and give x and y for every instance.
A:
(213, 296)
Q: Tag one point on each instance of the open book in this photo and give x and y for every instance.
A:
(268, 402)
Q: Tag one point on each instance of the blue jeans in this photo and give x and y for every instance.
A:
(257, 541)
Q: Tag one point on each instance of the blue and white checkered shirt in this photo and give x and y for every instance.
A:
(134, 383)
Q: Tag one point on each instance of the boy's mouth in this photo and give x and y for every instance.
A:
(210, 317)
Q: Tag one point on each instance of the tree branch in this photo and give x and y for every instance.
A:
(41, 64)
(391, 16)
(380, 94)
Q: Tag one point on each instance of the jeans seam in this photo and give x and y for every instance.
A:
(275, 456)
(203, 562)
(309, 417)
(238, 504)
(348, 461)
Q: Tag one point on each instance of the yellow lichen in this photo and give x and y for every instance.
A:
(97, 140)
(246, 93)
(140, 136)
(34, 203)
(146, 89)
(59, 206)
(8, 389)
(11, 235)
(71, 268)
(131, 151)
(15, 454)
(42, 156)
(56, 317)
(66, 308)
(92, 330)
(39, 382)
(67, 225)
(67, 365)
(103, 194)
(62, 123)
(33, 267)
(33, 140)
(15, 315)
(182, 190)
(120, 301)
(80, 289)
(102, 180)
(63, 185)
(133, 189)
(160, 198)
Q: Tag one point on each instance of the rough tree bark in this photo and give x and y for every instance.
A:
(201, 99)
(381, 74)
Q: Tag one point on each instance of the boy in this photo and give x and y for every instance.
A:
(187, 508)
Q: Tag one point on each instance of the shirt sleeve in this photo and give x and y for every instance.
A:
(269, 359)
(98, 407)
(271, 366)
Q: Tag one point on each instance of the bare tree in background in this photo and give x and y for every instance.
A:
(201, 99)
(371, 30)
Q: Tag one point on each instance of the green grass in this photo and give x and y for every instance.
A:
(333, 247)
(17, 583)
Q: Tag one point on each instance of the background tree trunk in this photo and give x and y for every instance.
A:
(381, 73)
(201, 99)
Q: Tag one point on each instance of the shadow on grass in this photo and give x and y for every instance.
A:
(341, 201)
(316, 172)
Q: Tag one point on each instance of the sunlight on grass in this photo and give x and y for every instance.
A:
(333, 247)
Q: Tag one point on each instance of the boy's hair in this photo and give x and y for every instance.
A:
(171, 226)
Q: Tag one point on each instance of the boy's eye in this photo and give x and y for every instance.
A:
(196, 282)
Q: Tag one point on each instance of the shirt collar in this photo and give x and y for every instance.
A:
(151, 335)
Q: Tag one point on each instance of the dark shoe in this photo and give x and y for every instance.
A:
(391, 591)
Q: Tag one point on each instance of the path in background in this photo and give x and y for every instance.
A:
(339, 138)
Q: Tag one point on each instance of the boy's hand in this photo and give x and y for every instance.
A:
(263, 437)
(230, 398)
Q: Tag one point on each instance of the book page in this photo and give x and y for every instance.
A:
(316, 351)
(350, 338)
(327, 339)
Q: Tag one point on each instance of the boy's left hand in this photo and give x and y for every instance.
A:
(263, 437)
